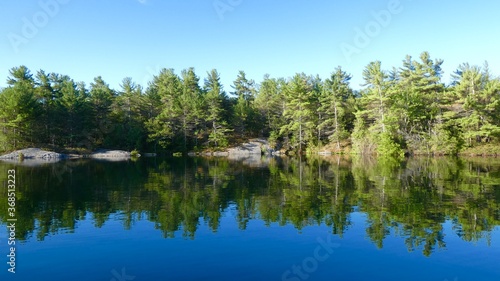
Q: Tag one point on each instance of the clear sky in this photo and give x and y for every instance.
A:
(136, 38)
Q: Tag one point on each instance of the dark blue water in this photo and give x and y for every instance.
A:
(210, 219)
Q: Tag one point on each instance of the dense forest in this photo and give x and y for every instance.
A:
(404, 110)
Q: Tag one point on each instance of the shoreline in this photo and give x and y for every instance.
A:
(40, 154)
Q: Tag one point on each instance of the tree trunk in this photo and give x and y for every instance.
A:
(381, 109)
(337, 125)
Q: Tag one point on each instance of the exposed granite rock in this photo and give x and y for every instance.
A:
(43, 156)
(254, 146)
(106, 153)
(33, 153)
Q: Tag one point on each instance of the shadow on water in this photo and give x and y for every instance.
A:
(411, 198)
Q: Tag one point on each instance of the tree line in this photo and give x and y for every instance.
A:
(404, 110)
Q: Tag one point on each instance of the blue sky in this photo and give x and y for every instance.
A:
(136, 38)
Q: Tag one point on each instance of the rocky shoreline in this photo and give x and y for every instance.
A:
(252, 148)
(40, 154)
(33, 153)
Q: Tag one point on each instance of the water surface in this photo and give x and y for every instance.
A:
(265, 219)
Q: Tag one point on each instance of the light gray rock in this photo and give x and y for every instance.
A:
(31, 162)
(277, 153)
(253, 147)
(33, 153)
(104, 153)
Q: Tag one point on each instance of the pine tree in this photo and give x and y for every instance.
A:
(335, 102)
(190, 106)
(299, 112)
(74, 110)
(101, 99)
(375, 126)
(244, 116)
(19, 110)
(214, 98)
(271, 104)
(126, 115)
(162, 128)
(478, 99)
(416, 101)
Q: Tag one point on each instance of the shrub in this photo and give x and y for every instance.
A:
(135, 153)
(386, 146)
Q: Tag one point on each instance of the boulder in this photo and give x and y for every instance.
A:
(33, 153)
(105, 153)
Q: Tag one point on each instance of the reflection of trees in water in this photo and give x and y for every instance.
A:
(411, 199)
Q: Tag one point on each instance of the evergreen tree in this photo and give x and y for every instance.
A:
(478, 103)
(190, 107)
(244, 116)
(19, 111)
(48, 98)
(376, 128)
(101, 99)
(298, 113)
(126, 115)
(416, 101)
(162, 128)
(335, 108)
(271, 104)
(214, 98)
(74, 110)
(150, 111)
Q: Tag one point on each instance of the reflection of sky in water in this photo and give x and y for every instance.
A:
(92, 254)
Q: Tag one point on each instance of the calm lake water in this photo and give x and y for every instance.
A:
(261, 219)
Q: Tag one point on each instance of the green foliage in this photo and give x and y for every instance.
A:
(405, 110)
(218, 136)
(19, 111)
(477, 104)
(335, 113)
(162, 127)
(135, 153)
(447, 138)
(387, 146)
(214, 99)
(299, 112)
(270, 104)
(245, 119)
